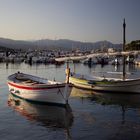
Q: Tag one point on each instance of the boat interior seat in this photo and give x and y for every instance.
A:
(27, 81)
(111, 80)
(105, 80)
(30, 82)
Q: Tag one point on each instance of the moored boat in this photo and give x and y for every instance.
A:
(36, 89)
(106, 84)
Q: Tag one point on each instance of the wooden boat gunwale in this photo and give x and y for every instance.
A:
(34, 85)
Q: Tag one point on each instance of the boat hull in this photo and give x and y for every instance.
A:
(50, 96)
(48, 93)
(129, 86)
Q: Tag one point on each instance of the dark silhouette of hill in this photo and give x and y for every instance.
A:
(134, 45)
(61, 44)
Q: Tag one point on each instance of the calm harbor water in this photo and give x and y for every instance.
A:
(90, 115)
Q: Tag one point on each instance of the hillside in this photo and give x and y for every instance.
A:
(62, 44)
(134, 45)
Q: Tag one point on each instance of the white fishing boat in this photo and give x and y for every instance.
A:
(36, 89)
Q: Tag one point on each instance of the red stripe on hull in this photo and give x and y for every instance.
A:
(35, 88)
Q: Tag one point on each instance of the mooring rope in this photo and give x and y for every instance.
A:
(59, 91)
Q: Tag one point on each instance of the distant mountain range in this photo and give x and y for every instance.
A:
(62, 44)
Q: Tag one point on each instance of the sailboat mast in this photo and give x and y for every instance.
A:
(124, 26)
(124, 57)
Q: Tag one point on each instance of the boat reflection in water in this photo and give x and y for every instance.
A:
(108, 116)
(121, 100)
(105, 98)
(126, 104)
(45, 115)
(77, 92)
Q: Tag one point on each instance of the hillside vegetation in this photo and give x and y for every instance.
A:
(134, 45)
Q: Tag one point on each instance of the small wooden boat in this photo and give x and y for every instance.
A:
(36, 89)
(106, 84)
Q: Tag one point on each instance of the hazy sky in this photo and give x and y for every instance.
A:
(82, 20)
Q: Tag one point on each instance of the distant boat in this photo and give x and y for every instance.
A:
(116, 61)
(103, 60)
(36, 89)
(90, 61)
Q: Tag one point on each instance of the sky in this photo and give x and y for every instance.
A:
(79, 20)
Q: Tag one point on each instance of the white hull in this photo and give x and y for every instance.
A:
(57, 93)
